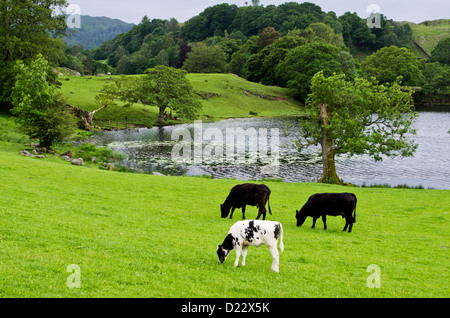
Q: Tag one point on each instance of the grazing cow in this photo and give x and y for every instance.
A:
(252, 233)
(247, 194)
(333, 204)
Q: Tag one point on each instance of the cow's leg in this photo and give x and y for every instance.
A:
(232, 211)
(238, 255)
(275, 258)
(244, 254)
(346, 225)
(261, 211)
(314, 223)
(243, 212)
(351, 221)
(324, 219)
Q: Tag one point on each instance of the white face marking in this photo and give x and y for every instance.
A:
(224, 252)
(227, 253)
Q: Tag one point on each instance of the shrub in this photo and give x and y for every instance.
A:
(88, 151)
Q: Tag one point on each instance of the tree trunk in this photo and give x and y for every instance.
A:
(86, 120)
(161, 118)
(85, 116)
(329, 166)
(46, 143)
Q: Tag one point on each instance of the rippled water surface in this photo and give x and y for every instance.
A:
(150, 150)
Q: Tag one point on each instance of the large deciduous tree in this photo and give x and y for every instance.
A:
(27, 28)
(390, 62)
(356, 118)
(40, 111)
(205, 59)
(167, 87)
(162, 86)
(302, 62)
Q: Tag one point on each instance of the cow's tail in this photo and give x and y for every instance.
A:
(281, 238)
(268, 202)
(354, 213)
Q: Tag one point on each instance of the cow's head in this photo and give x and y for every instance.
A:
(224, 210)
(222, 253)
(301, 216)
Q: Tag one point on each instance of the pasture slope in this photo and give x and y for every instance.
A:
(135, 235)
(220, 94)
(429, 33)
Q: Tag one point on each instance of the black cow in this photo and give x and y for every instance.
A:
(247, 194)
(333, 204)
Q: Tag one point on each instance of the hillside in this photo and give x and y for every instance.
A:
(96, 30)
(222, 95)
(428, 34)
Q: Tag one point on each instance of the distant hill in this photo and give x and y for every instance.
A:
(96, 30)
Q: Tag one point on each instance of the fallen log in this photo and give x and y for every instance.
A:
(85, 116)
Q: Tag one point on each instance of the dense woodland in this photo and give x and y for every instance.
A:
(262, 44)
(229, 28)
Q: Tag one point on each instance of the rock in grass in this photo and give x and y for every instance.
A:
(68, 154)
(25, 153)
(78, 162)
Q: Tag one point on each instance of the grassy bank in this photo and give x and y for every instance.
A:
(220, 94)
(429, 33)
(137, 235)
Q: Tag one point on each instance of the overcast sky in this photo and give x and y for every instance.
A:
(133, 10)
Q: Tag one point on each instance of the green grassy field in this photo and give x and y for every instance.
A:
(428, 34)
(136, 235)
(224, 94)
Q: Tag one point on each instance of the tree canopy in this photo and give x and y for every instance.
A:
(261, 66)
(205, 59)
(162, 86)
(357, 117)
(40, 112)
(28, 28)
(390, 62)
(441, 52)
(302, 62)
(145, 41)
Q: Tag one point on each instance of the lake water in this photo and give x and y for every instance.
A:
(150, 150)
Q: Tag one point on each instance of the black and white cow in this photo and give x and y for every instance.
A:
(252, 233)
